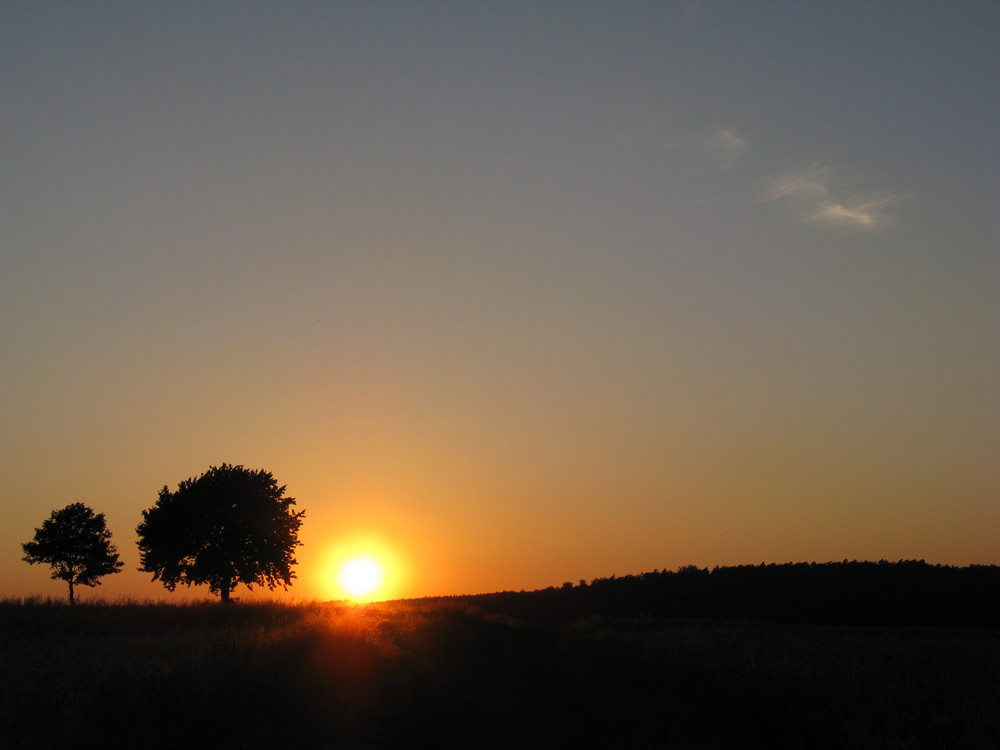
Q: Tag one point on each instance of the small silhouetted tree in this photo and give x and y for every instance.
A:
(229, 526)
(77, 544)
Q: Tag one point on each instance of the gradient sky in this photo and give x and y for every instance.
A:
(514, 292)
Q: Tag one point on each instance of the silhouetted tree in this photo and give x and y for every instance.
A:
(77, 544)
(229, 526)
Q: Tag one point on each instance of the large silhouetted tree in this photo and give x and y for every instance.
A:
(77, 544)
(229, 526)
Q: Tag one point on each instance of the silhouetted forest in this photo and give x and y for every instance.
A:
(908, 592)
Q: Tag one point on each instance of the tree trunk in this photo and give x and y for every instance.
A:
(70, 582)
(224, 590)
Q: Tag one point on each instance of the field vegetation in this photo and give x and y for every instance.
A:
(449, 673)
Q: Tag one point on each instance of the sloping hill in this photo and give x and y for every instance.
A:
(908, 592)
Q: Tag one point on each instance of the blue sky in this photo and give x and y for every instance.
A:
(527, 292)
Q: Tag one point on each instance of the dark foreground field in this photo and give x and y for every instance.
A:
(444, 675)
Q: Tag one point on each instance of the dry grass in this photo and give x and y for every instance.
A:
(441, 674)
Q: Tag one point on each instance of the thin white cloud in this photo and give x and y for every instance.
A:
(807, 185)
(727, 148)
(810, 194)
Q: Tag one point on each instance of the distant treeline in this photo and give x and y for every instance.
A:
(907, 592)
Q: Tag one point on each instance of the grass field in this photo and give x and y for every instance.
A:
(445, 675)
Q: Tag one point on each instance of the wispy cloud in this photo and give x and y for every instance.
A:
(816, 199)
(727, 148)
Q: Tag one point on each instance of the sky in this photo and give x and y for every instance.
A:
(506, 293)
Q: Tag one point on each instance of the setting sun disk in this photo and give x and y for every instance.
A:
(360, 576)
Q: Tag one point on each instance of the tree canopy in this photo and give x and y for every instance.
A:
(77, 544)
(229, 526)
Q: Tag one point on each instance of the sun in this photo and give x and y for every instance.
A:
(361, 567)
(360, 577)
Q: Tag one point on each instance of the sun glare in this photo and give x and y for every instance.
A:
(360, 577)
(361, 568)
